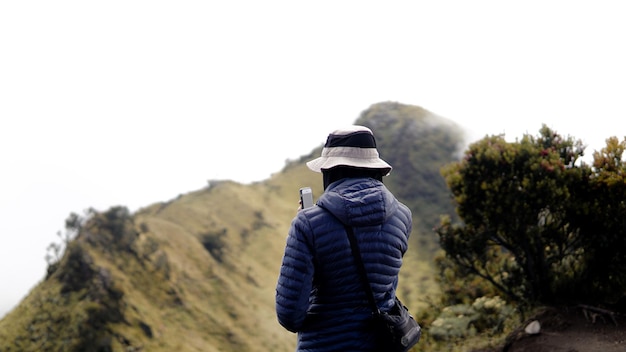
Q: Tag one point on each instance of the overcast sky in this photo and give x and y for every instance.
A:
(134, 102)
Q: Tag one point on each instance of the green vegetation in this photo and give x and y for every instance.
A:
(535, 222)
(214, 243)
(537, 226)
(484, 315)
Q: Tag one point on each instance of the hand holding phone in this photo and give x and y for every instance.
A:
(306, 197)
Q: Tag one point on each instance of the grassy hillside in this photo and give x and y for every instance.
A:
(198, 273)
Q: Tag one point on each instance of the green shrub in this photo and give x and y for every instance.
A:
(215, 244)
(484, 315)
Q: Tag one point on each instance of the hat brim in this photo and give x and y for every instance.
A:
(325, 163)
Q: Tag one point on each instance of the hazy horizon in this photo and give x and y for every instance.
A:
(131, 103)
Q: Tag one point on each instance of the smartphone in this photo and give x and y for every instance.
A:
(306, 197)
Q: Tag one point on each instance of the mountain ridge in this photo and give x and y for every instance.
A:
(197, 273)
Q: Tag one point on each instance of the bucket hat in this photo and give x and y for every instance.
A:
(352, 146)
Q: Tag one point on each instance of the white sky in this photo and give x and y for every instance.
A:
(133, 102)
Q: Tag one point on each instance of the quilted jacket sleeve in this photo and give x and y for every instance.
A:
(296, 276)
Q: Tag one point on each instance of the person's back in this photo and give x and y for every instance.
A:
(319, 293)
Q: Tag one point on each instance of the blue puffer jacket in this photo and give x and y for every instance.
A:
(319, 293)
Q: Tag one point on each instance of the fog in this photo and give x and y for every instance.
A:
(131, 103)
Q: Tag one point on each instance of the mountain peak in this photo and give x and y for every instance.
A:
(198, 273)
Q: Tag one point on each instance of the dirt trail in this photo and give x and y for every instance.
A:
(569, 330)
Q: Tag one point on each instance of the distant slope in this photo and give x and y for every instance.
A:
(198, 273)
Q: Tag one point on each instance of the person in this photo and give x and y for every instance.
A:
(319, 293)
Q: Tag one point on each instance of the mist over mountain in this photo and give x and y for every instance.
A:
(198, 273)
